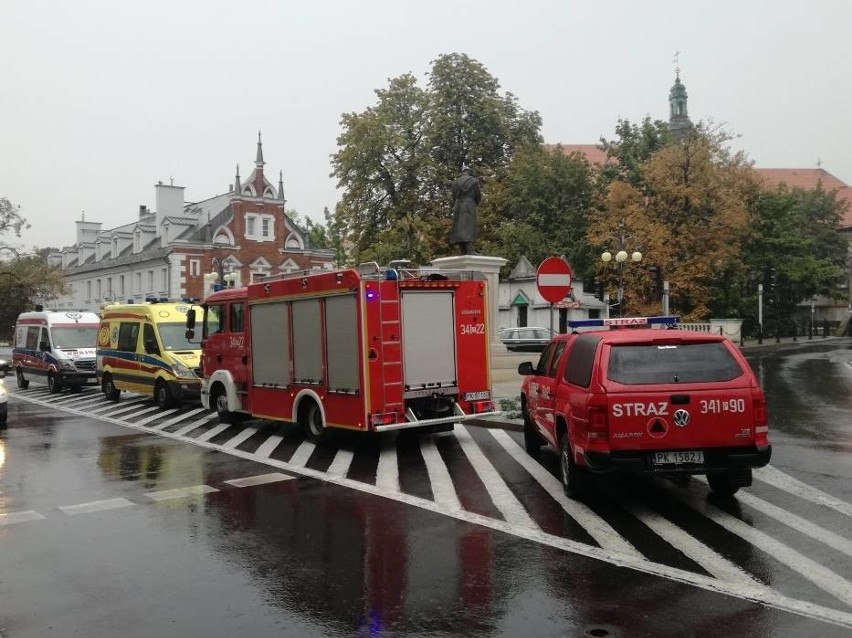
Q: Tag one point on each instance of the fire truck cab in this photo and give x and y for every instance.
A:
(367, 349)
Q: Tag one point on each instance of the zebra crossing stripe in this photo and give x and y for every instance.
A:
(95, 506)
(782, 481)
(195, 424)
(155, 416)
(268, 446)
(341, 463)
(140, 413)
(443, 489)
(246, 434)
(502, 497)
(302, 454)
(212, 432)
(387, 471)
(603, 533)
(178, 418)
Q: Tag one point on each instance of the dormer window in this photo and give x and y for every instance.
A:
(260, 227)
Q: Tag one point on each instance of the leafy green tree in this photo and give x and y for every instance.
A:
(687, 214)
(793, 249)
(539, 208)
(27, 280)
(396, 160)
(634, 145)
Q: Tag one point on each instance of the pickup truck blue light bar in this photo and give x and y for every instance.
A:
(667, 320)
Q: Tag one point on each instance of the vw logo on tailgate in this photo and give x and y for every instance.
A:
(681, 418)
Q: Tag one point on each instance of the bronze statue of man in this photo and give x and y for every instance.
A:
(466, 197)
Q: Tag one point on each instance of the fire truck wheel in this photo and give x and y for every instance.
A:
(532, 439)
(53, 384)
(724, 484)
(575, 480)
(311, 420)
(219, 400)
(23, 384)
(110, 391)
(162, 397)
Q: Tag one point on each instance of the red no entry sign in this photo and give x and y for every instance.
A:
(553, 279)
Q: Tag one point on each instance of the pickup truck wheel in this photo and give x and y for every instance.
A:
(724, 484)
(23, 384)
(532, 439)
(53, 384)
(110, 391)
(220, 402)
(575, 480)
(312, 422)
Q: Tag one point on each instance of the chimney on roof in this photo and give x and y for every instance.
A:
(143, 210)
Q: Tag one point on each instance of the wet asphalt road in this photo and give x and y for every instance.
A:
(121, 520)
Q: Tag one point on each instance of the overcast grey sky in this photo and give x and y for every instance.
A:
(100, 99)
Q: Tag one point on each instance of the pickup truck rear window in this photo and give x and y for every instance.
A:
(671, 363)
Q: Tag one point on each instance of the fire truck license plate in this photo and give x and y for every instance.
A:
(680, 456)
(477, 396)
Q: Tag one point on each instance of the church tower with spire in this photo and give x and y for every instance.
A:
(679, 122)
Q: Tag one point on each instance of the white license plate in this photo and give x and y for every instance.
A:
(679, 456)
(477, 396)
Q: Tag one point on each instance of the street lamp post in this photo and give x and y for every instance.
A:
(759, 313)
(620, 258)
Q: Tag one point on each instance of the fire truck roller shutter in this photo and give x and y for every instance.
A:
(270, 344)
(428, 338)
(307, 341)
(341, 342)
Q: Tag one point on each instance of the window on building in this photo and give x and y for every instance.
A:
(150, 281)
(251, 225)
(164, 280)
(137, 242)
(138, 290)
(194, 267)
(99, 288)
(121, 285)
(266, 222)
(88, 291)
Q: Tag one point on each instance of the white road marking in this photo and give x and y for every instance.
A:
(116, 408)
(387, 471)
(195, 424)
(758, 594)
(178, 418)
(782, 481)
(212, 432)
(812, 530)
(10, 518)
(603, 533)
(96, 506)
(268, 446)
(239, 438)
(443, 488)
(302, 454)
(503, 498)
(710, 560)
(340, 465)
(155, 408)
(180, 492)
(260, 479)
(154, 417)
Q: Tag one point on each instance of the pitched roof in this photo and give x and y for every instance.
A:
(808, 178)
(592, 152)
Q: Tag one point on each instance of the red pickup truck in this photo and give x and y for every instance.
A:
(651, 400)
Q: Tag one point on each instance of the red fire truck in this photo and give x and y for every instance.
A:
(367, 349)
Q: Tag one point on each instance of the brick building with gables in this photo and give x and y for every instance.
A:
(166, 252)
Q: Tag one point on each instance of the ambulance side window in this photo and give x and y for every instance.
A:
(544, 361)
(32, 338)
(128, 336)
(581, 360)
(560, 348)
(149, 340)
(235, 317)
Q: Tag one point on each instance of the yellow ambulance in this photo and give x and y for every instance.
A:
(142, 347)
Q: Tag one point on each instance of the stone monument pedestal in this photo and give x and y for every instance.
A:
(490, 267)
